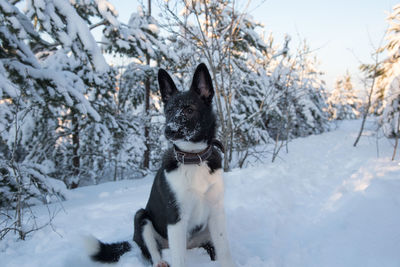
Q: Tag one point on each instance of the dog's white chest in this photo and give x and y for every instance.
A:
(196, 191)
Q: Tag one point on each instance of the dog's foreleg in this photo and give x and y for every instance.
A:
(177, 242)
(217, 226)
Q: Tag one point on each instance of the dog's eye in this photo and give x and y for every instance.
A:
(189, 111)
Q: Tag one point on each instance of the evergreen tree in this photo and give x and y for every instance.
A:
(343, 101)
(300, 99)
(141, 42)
(47, 60)
(69, 28)
(57, 94)
(389, 81)
(30, 94)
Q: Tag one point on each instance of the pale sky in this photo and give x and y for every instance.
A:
(342, 31)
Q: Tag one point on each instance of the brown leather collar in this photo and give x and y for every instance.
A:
(196, 158)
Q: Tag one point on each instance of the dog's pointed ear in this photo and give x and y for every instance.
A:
(166, 84)
(202, 83)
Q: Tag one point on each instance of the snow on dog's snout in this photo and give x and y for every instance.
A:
(178, 126)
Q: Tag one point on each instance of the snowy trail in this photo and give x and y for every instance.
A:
(323, 204)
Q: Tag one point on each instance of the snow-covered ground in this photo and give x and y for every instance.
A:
(324, 204)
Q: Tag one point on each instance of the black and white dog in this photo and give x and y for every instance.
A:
(185, 208)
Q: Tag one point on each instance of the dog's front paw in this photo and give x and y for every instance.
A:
(161, 264)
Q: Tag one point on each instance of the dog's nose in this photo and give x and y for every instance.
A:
(172, 132)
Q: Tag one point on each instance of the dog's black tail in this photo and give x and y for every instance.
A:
(103, 252)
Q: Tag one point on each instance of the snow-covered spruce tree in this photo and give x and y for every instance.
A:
(311, 117)
(132, 110)
(300, 103)
(29, 94)
(343, 102)
(85, 150)
(141, 42)
(254, 95)
(124, 150)
(37, 86)
(389, 82)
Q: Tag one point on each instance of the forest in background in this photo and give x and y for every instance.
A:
(70, 118)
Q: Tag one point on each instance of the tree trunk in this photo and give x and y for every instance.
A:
(75, 149)
(146, 154)
(395, 147)
(370, 93)
(397, 139)
(18, 179)
(365, 115)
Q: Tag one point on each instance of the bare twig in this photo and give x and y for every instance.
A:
(375, 69)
